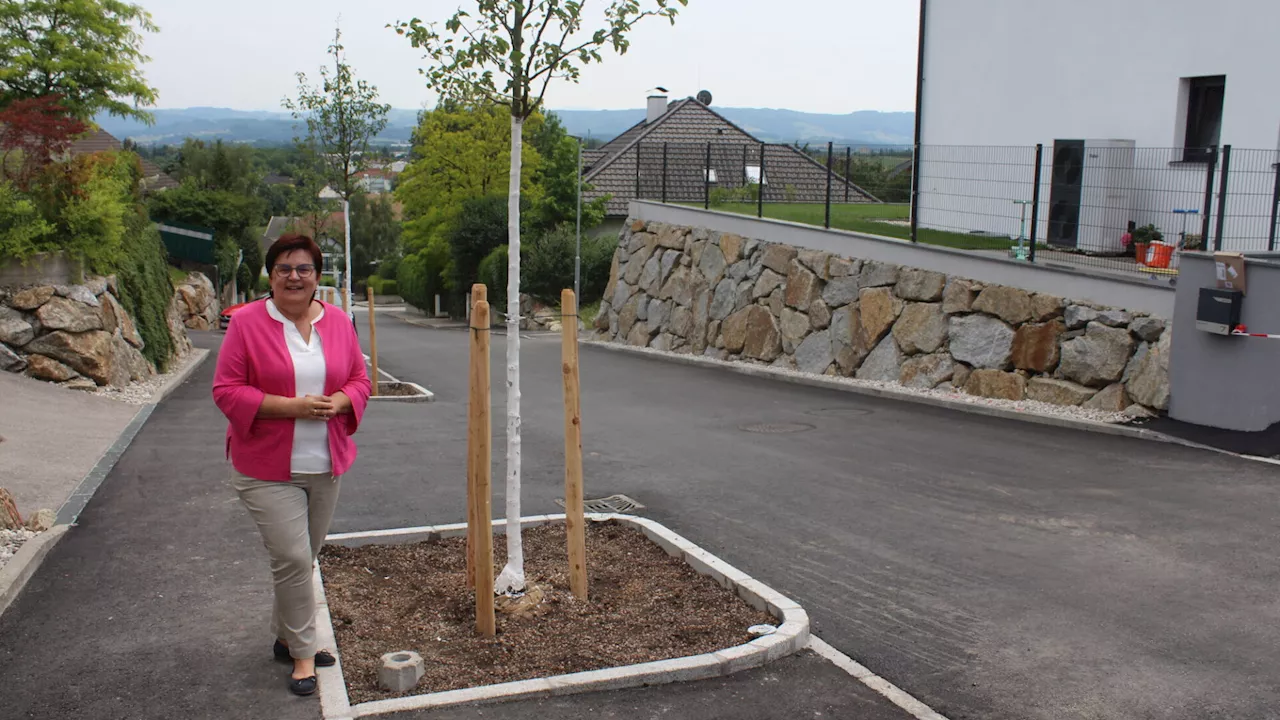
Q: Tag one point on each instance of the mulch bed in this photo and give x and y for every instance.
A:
(396, 389)
(644, 605)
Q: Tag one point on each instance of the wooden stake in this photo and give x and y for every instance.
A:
(574, 520)
(478, 293)
(373, 343)
(479, 437)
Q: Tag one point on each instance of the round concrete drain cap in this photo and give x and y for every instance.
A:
(778, 428)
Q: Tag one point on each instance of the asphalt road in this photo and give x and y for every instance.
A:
(991, 568)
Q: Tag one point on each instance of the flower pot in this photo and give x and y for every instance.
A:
(1140, 252)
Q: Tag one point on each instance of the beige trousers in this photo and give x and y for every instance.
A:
(293, 518)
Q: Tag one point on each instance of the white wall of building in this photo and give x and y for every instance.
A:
(1021, 72)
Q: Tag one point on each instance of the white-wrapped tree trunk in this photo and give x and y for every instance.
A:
(512, 577)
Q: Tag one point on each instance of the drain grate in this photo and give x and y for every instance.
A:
(611, 504)
(778, 428)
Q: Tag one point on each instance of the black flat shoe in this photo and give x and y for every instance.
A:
(323, 657)
(305, 686)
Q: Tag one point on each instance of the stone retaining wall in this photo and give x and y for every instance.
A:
(694, 291)
(78, 336)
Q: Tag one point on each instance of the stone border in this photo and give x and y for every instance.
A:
(826, 383)
(792, 634)
(24, 563)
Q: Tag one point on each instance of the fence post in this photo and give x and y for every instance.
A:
(638, 171)
(760, 195)
(1208, 198)
(1222, 196)
(1035, 201)
(848, 170)
(827, 223)
(915, 181)
(664, 172)
(706, 186)
(1275, 209)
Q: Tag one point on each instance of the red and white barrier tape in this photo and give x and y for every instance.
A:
(1243, 331)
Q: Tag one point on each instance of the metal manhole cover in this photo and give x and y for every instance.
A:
(611, 504)
(777, 428)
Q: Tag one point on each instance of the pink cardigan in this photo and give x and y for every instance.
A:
(254, 362)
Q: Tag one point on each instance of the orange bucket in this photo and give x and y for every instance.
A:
(1159, 255)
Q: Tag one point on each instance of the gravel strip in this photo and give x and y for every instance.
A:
(1030, 407)
(141, 392)
(10, 541)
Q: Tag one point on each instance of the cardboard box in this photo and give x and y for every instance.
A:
(1229, 270)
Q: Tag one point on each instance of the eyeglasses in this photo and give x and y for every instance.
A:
(304, 271)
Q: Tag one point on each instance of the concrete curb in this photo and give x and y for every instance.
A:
(185, 374)
(424, 395)
(15, 574)
(833, 384)
(791, 636)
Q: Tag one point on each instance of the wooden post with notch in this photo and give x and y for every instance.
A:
(478, 476)
(574, 522)
(478, 293)
(373, 344)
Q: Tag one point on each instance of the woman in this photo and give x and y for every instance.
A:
(291, 381)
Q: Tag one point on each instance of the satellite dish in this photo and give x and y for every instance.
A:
(704, 97)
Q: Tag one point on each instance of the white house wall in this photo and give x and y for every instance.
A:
(1013, 73)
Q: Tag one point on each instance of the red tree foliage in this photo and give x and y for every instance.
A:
(39, 130)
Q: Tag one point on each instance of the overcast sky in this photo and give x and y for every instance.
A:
(831, 56)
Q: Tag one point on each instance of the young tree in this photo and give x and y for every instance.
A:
(87, 51)
(342, 115)
(508, 54)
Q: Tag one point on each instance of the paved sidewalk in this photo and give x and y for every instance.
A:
(52, 438)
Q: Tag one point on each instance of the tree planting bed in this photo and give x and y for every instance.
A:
(653, 597)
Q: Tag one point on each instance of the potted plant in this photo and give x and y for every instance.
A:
(1141, 238)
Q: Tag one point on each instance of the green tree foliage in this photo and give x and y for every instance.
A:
(375, 234)
(87, 51)
(558, 177)
(342, 115)
(232, 216)
(481, 227)
(460, 153)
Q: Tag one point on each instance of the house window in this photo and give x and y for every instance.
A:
(753, 175)
(1203, 129)
(710, 175)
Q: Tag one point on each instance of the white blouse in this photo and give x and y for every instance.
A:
(310, 437)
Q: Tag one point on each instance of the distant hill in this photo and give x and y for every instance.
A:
(867, 127)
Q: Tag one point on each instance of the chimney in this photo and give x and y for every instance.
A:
(657, 106)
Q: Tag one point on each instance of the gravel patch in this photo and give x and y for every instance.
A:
(1030, 407)
(10, 541)
(142, 392)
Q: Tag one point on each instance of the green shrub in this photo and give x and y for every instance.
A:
(546, 266)
(23, 230)
(493, 275)
(145, 288)
(388, 287)
(420, 275)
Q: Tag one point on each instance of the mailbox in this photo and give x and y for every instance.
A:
(1218, 311)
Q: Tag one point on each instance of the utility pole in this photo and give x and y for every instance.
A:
(577, 258)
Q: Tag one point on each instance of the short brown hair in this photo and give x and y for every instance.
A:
(290, 242)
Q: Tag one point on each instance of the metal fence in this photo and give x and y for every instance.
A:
(1107, 205)
(743, 176)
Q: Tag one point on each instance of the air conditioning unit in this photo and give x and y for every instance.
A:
(1091, 194)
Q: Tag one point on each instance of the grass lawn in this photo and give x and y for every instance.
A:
(868, 218)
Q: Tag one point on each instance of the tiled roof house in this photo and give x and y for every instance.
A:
(677, 137)
(153, 178)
